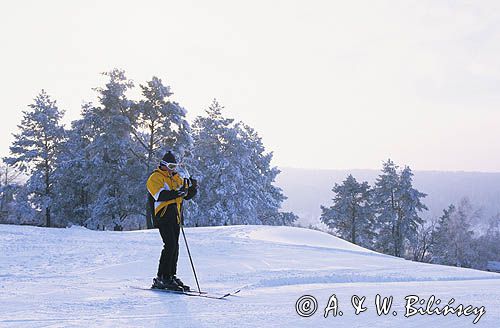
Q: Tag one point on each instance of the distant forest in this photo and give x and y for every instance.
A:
(447, 218)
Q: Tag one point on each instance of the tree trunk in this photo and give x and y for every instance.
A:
(353, 226)
(398, 237)
(149, 216)
(47, 216)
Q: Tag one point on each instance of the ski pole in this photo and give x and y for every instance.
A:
(190, 259)
(184, 235)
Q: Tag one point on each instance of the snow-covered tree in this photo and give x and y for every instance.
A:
(409, 208)
(21, 209)
(420, 247)
(385, 200)
(487, 246)
(163, 123)
(8, 174)
(235, 186)
(257, 170)
(398, 204)
(116, 175)
(453, 237)
(157, 125)
(36, 148)
(351, 216)
(73, 196)
(9, 178)
(9, 183)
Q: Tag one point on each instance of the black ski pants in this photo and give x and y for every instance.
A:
(169, 231)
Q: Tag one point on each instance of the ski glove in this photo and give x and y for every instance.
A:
(182, 192)
(194, 182)
(167, 195)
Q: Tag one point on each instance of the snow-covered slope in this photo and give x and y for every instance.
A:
(81, 278)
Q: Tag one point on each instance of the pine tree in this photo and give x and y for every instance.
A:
(157, 125)
(36, 148)
(453, 237)
(212, 155)
(385, 201)
(235, 186)
(72, 203)
(259, 172)
(116, 175)
(398, 204)
(409, 206)
(351, 215)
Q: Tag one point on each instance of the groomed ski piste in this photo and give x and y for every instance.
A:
(81, 278)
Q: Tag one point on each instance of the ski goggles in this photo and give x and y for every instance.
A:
(171, 166)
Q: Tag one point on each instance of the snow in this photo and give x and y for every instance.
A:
(79, 278)
(302, 236)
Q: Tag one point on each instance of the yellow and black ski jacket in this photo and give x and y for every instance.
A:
(163, 187)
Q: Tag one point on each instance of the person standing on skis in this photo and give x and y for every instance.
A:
(167, 190)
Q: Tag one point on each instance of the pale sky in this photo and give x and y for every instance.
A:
(327, 84)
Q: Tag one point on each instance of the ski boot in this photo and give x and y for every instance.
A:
(166, 283)
(179, 282)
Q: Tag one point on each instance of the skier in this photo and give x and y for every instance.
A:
(167, 190)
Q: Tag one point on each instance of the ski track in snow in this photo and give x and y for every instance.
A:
(80, 278)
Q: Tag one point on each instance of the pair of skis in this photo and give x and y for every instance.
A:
(193, 293)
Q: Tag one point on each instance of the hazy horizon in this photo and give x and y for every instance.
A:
(442, 188)
(401, 165)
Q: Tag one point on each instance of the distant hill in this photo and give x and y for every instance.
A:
(307, 189)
